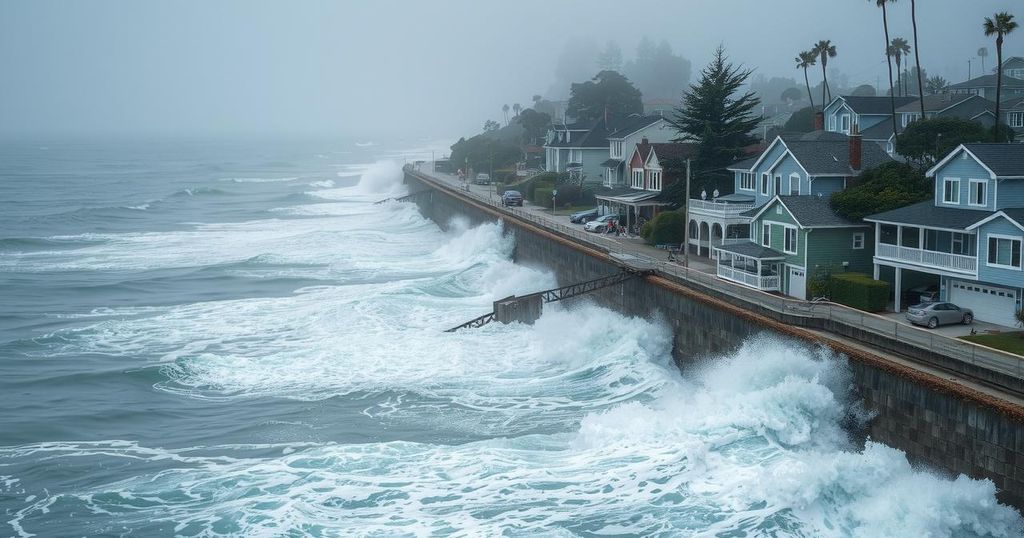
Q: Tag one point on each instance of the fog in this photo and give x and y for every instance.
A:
(439, 69)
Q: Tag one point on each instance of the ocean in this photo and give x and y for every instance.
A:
(229, 338)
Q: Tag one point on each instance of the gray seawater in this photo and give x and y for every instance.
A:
(227, 338)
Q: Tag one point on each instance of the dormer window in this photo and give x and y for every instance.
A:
(846, 123)
(951, 190)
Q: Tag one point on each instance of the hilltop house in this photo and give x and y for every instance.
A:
(649, 176)
(1012, 112)
(815, 164)
(948, 105)
(793, 235)
(1014, 67)
(871, 114)
(985, 86)
(968, 239)
(623, 141)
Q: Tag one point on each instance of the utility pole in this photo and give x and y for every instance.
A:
(968, 69)
(686, 220)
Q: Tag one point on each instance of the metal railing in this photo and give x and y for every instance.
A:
(720, 207)
(944, 260)
(926, 340)
(761, 282)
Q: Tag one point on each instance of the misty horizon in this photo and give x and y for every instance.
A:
(436, 71)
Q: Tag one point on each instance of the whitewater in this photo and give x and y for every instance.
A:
(234, 340)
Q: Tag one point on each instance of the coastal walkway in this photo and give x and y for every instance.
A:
(700, 275)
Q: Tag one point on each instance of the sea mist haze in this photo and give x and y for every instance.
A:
(221, 338)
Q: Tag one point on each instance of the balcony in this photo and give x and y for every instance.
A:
(720, 208)
(928, 258)
(761, 282)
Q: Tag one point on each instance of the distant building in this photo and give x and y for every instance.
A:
(624, 139)
(649, 176)
(985, 86)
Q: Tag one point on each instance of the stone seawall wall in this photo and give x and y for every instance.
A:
(919, 414)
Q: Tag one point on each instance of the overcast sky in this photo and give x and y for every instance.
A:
(429, 68)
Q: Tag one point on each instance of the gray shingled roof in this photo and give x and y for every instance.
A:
(815, 212)
(745, 164)
(753, 250)
(942, 101)
(831, 155)
(632, 124)
(863, 104)
(1003, 159)
(988, 81)
(878, 132)
(927, 214)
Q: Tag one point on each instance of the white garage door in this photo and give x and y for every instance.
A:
(991, 304)
(797, 283)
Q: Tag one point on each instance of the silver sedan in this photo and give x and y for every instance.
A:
(934, 314)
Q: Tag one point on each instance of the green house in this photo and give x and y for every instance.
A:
(791, 238)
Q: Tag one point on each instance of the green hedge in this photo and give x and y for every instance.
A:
(530, 192)
(542, 196)
(666, 228)
(859, 291)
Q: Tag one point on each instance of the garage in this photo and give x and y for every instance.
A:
(797, 283)
(989, 303)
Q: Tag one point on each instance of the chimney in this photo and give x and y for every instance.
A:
(644, 141)
(819, 121)
(855, 147)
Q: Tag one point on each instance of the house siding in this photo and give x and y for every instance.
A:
(1010, 193)
(1005, 277)
(769, 158)
(833, 246)
(827, 186)
(786, 168)
(965, 170)
(778, 238)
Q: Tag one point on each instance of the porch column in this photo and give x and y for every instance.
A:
(877, 272)
(899, 286)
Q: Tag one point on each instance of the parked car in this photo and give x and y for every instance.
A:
(600, 224)
(934, 314)
(511, 198)
(482, 179)
(928, 293)
(583, 217)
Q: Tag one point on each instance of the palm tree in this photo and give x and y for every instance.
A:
(516, 109)
(897, 49)
(804, 60)
(983, 53)
(825, 50)
(888, 57)
(917, 56)
(1000, 25)
(505, 110)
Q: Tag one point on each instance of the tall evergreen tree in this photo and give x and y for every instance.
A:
(718, 114)
(608, 96)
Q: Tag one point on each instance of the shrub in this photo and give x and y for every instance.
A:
(859, 291)
(569, 193)
(667, 227)
(542, 196)
(646, 231)
(539, 180)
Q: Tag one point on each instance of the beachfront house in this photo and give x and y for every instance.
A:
(579, 149)
(967, 240)
(623, 141)
(649, 172)
(793, 237)
(814, 164)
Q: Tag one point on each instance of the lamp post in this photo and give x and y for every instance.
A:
(554, 194)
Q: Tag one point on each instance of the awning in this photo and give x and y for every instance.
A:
(611, 163)
(633, 197)
(740, 198)
(750, 249)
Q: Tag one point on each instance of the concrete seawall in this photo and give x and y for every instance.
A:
(935, 422)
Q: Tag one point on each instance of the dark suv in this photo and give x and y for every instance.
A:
(510, 198)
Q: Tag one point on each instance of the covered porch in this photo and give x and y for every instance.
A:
(637, 205)
(927, 247)
(751, 265)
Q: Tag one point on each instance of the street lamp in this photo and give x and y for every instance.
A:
(554, 194)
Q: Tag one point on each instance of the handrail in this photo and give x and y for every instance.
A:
(927, 341)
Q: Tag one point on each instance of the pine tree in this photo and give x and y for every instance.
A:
(716, 115)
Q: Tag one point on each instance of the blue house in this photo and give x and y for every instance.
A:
(967, 239)
(866, 112)
(814, 164)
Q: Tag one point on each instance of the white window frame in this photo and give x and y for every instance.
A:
(766, 180)
(970, 192)
(845, 123)
(766, 235)
(636, 178)
(858, 239)
(1020, 250)
(796, 240)
(955, 192)
(777, 185)
(795, 176)
(655, 181)
(1015, 119)
(748, 181)
(832, 123)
